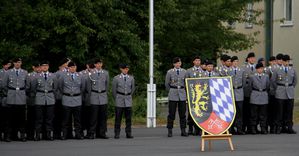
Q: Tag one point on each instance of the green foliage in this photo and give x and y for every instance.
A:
(117, 31)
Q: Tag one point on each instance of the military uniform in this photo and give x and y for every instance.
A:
(175, 84)
(123, 87)
(210, 74)
(238, 80)
(97, 88)
(14, 83)
(45, 88)
(85, 110)
(193, 72)
(223, 70)
(3, 107)
(272, 101)
(72, 87)
(260, 84)
(30, 106)
(249, 69)
(58, 108)
(284, 80)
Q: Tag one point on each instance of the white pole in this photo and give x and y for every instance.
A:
(151, 88)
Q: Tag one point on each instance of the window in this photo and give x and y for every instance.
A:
(249, 14)
(288, 13)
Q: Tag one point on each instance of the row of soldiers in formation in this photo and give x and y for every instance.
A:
(45, 105)
(264, 95)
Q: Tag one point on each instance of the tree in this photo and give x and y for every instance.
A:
(117, 31)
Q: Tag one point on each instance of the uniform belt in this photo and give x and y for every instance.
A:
(11, 88)
(123, 93)
(68, 94)
(238, 87)
(177, 87)
(284, 84)
(45, 91)
(96, 91)
(259, 90)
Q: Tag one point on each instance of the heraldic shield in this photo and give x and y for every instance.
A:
(211, 103)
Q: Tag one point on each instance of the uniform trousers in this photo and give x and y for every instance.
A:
(172, 106)
(119, 112)
(70, 113)
(258, 115)
(98, 117)
(16, 119)
(284, 113)
(44, 116)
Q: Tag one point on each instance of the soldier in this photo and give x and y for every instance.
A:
(44, 87)
(30, 103)
(210, 72)
(249, 69)
(72, 86)
(86, 100)
(194, 72)
(3, 107)
(175, 84)
(260, 84)
(63, 69)
(237, 75)
(123, 87)
(14, 84)
(224, 68)
(284, 80)
(272, 102)
(97, 87)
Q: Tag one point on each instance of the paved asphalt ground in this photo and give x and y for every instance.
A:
(152, 142)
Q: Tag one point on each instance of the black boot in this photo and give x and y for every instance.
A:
(116, 134)
(240, 131)
(264, 130)
(183, 132)
(190, 130)
(129, 135)
(7, 137)
(291, 130)
(64, 135)
(252, 130)
(197, 131)
(90, 135)
(169, 132)
(272, 129)
(23, 137)
(37, 136)
(49, 136)
(278, 130)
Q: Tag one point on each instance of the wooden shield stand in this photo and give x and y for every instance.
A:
(208, 137)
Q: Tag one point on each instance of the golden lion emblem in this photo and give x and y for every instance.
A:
(200, 98)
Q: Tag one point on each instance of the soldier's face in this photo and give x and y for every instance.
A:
(286, 63)
(72, 69)
(98, 65)
(251, 60)
(235, 63)
(7, 66)
(177, 65)
(210, 67)
(227, 63)
(260, 70)
(17, 64)
(45, 67)
(279, 62)
(196, 62)
(124, 70)
(37, 69)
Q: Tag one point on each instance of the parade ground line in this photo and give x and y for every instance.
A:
(154, 142)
